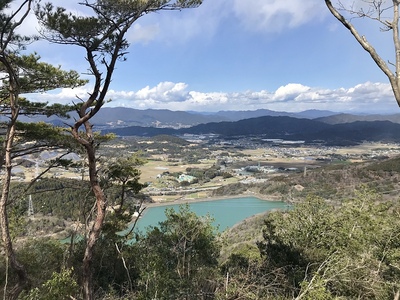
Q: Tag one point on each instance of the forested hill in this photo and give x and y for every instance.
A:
(282, 128)
(118, 117)
(349, 118)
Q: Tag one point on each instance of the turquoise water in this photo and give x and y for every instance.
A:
(226, 212)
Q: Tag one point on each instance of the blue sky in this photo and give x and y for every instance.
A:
(240, 55)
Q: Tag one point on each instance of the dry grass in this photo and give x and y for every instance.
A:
(154, 167)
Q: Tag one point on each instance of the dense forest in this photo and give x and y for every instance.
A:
(313, 251)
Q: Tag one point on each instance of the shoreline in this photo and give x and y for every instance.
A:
(183, 200)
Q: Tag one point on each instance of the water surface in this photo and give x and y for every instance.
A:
(226, 212)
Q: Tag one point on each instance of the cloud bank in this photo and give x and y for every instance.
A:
(368, 97)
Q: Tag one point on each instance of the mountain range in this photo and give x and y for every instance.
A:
(309, 126)
(286, 128)
(110, 117)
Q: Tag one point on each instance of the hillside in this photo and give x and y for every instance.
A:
(287, 128)
(117, 117)
(349, 118)
(333, 183)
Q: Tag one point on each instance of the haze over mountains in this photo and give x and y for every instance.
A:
(122, 117)
(309, 126)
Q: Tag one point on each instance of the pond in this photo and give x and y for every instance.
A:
(225, 212)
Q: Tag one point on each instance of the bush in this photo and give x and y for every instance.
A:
(61, 286)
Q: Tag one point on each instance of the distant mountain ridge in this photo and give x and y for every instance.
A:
(117, 117)
(310, 125)
(349, 118)
(282, 127)
(163, 118)
(248, 114)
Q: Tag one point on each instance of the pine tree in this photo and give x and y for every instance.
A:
(22, 74)
(102, 35)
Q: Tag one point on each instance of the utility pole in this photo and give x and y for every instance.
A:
(30, 207)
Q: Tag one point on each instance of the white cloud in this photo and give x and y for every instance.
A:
(203, 22)
(277, 15)
(182, 26)
(366, 97)
(63, 96)
(254, 15)
(290, 91)
(143, 34)
(164, 92)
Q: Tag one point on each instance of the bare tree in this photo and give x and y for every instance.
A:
(386, 14)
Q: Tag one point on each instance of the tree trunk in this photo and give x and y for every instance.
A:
(8, 246)
(22, 282)
(95, 231)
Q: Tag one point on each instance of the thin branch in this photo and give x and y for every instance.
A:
(393, 78)
(24, 191)
(136, 220)
(125, 267)
(5, 41)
